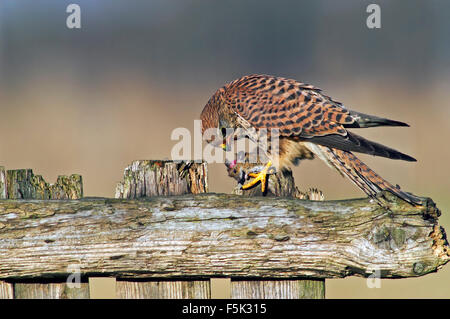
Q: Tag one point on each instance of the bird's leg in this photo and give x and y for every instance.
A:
(259, 174)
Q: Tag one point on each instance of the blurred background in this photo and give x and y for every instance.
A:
(91, 100)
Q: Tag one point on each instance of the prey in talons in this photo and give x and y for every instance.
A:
(242, 174)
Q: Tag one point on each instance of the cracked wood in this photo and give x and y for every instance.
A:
(206, 235)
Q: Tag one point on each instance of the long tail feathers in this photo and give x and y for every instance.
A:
(362, 176)
(355, 143)
(366, 120)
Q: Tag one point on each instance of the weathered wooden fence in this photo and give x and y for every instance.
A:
(188, 242)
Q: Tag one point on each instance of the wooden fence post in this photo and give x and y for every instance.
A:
(148, 178)
(3, 194)
(6, 290)
(161, 178)
(281, 184)
(23, 184)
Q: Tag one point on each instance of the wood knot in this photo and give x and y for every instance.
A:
(282, 238)
(391, 238)
(251, 233)
(418, 268)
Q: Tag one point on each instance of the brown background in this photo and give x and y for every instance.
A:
(90, 101)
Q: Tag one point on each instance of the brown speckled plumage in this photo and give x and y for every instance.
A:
(309, 122)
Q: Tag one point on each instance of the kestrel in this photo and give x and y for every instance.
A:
(311, 124)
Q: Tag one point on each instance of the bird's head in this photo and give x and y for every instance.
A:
(216, 129)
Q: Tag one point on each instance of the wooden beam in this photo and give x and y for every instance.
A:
(209, 235)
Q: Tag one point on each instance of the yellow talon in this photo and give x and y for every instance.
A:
(260, 177)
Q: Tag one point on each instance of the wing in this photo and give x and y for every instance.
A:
(296, 108)
(302, 111)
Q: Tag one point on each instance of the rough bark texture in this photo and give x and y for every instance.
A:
(23, 184)
(209, 235)
(199, 289)
(278, 289)
(50, 291)
(154, 178)
(6, 290)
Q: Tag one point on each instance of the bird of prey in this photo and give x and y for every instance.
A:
(310, 123)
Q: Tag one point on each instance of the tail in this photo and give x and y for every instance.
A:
(355, 143)
(365, 120)
(360, 174)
